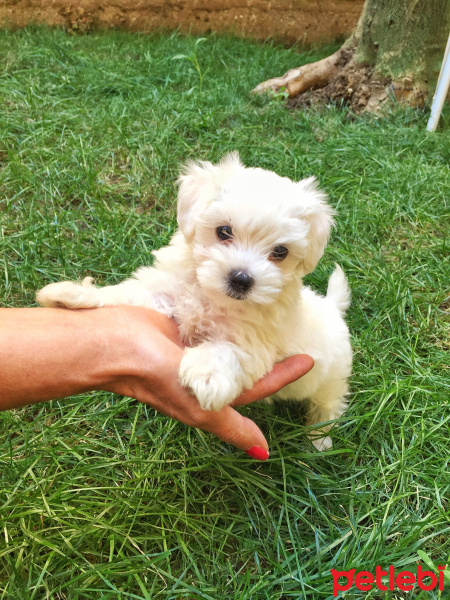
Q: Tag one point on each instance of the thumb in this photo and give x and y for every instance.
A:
(283, 373)
(237, 430)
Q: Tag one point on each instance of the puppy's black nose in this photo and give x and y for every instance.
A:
(239, 283)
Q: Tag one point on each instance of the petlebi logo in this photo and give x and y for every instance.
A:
(391, 578)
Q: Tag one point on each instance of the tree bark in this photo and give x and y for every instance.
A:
(396, 50)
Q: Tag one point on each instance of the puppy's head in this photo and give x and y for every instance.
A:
(251, 231)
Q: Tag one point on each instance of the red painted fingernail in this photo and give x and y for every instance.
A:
(258, 453)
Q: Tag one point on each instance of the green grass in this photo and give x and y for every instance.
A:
(104, 499)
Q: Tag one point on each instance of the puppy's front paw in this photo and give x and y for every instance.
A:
(68, 294)
(211, 374)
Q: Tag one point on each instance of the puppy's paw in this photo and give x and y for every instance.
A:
(68, 294)
(320, 443)
(211, 376)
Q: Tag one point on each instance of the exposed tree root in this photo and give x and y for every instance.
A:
(336, 78)
(297, 81)
(355, 85)
(340, 78)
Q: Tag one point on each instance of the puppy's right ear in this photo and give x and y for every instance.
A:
(200, 183)
(197, 188)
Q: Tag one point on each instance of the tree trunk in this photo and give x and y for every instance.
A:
(396, 50)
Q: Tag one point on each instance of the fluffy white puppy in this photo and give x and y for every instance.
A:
(232, 279)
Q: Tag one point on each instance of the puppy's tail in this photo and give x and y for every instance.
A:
(338, 291)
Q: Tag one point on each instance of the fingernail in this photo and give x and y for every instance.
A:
(257, 453)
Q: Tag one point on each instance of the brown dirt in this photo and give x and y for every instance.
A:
(288, 21)
(354, 84)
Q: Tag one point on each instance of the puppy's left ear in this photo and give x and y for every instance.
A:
(318, 214)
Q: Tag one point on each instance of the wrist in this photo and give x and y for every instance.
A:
(142, 349)
(113, 346)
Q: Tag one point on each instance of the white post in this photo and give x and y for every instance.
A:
(441, 90)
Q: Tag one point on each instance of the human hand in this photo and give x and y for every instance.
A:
(48, 353)
(151, 376)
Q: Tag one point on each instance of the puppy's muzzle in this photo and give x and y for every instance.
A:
(239, 284)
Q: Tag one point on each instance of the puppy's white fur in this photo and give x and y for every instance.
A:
(232, 342)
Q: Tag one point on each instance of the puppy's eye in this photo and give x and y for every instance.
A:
(279, 253)
(224, 232)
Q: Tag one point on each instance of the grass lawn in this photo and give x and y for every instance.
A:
(101, 498)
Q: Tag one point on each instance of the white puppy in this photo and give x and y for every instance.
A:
(232, 279)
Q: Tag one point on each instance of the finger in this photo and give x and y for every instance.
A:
(237, 430)
(283, 373)
(227, 424)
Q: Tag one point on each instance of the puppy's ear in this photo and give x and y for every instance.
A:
(314, 209)
(200, 183)
(197, 188)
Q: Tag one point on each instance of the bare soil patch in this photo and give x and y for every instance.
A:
(288, 21)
